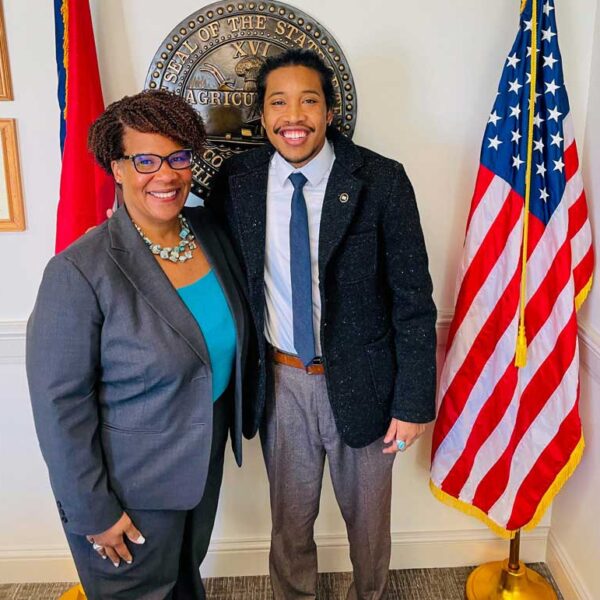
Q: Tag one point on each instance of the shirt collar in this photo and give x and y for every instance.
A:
(314, 171)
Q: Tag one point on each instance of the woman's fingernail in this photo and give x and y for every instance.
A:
(116, 564)
(141, 539)
(128, 562)
(103, 557)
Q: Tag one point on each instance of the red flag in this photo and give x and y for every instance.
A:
(508, 434)
(86, 191)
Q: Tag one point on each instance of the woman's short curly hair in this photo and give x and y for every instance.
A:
(151, 111)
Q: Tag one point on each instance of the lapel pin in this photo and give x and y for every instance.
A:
(343, 197)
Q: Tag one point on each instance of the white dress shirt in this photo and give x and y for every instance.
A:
(279, 323)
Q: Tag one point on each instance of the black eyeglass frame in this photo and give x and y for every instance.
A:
(132, 158)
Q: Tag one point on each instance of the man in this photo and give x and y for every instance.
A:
(340, 294)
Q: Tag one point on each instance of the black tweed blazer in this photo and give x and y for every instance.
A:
(378, 317)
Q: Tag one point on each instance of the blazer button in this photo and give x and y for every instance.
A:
(64, 519)
(343, 197)
(58, 504)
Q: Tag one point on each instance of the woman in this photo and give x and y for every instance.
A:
(135, 356)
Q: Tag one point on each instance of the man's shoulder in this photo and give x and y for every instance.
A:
(368, 162)
(248, 160)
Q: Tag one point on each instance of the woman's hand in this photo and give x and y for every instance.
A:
(403, 432)
(111, 544)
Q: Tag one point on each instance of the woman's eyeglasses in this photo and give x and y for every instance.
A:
(150, 163)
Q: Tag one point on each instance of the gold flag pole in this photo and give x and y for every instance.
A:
(74, 593)
(508, 579)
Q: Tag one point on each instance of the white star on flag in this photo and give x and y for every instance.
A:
(544, 195)
(513, 60)
(548, 9)
(558, 164)
(517, 162)
(551, 87)
(514, 86)
(556, 140)
(494, 118)
(516, 136)
(538, 145)
(550, 60)
(494, 143)
(541, 169)
(537, 120)
(528, 25)
(554, 114)
(515, 111)
(548, 34)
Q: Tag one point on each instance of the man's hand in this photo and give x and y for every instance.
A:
(109, 213)
(401, 431)
(111, 543)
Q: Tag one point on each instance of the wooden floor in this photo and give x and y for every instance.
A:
(413, 584)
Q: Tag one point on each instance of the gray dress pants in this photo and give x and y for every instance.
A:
(167, 566)
(298, 432)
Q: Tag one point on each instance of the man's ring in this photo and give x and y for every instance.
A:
(97, 547)
(401, 444)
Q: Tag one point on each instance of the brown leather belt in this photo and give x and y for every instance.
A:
(290, 360)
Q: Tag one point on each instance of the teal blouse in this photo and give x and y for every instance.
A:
(207, 303)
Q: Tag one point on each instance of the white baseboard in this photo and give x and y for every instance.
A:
(565, 573)
(241, 557)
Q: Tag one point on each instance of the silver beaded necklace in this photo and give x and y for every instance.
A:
(176, 254)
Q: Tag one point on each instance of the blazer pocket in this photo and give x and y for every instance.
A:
(382, 362)
(357, 257)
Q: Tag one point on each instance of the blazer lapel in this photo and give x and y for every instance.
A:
(139, 266)
(341, 198)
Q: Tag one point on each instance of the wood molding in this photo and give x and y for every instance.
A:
(11, 172)
(6, 92)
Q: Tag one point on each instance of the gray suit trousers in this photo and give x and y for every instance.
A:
(167, 566)
(298, 432)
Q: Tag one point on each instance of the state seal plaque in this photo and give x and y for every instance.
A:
(212, 59)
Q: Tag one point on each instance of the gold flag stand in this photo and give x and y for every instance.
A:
(75, 593)
(508, 580)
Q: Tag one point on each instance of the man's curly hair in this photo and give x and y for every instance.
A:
(151, 111)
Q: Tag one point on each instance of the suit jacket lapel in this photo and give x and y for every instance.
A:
(139, 266)
(341, 198)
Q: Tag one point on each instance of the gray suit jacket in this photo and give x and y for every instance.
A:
(120, 376)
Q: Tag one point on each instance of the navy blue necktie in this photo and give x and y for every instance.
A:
(304, 337)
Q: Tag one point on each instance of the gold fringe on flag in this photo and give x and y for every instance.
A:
(543, 506)
(557, 485)
(64, 11)
(583, 294)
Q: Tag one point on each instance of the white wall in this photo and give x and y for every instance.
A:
(574, 545)
(426, 75)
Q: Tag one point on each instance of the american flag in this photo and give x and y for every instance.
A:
(507, 438)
